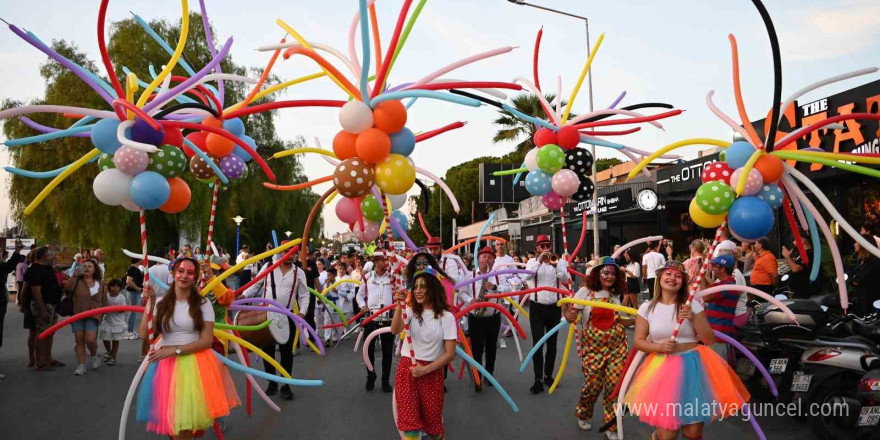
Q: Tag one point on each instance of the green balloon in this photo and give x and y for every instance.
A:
(371, 209)
(722, 156)
(550, 158)
(169, 161)
(715, 197)
(105, 162)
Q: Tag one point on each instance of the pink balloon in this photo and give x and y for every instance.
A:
(347, 210)
(130, 161)
(565, 182)
(370, 232)
(753, 183)
(553, 201)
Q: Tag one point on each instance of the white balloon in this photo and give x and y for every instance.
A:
(397, 201)
(131, 206)
(111, 187)
(532, 159)
(356, 117)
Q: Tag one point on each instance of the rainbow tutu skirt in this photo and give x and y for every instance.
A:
(185, 393)
(694, 386)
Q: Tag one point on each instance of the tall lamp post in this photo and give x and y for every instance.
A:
(590, 86)
(237, 219)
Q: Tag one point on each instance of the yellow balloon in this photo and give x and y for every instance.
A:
(395, 175)
(702, 219)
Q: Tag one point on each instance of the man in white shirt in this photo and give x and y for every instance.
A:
(725, 245)
(321, 309)
(504, 261)
(453, 266)
(285, 284)
(485, 323)
(245, 275)
(544, 314)
(374, 293)
(651, 261)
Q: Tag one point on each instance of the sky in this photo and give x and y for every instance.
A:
(674, 52)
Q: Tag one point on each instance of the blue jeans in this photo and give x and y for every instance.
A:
(134, 299)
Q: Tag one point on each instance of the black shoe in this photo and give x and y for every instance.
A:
(478, 388)
(386, 387)
(537, 387)
(286, 393)
(371, 381)
(272, 390)
(445, 390)
(548, 380)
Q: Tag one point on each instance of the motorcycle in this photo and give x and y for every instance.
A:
(841, 377)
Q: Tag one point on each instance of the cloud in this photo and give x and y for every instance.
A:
(820, 33)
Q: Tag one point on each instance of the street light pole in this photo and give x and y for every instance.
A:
(237, 219)
(590, 87)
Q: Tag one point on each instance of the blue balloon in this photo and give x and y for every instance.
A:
(403, 142)
(238, 151)
(772, 194)
(234, 126)
(401, 220)
(104, 136)
(538, 183)
(750, 218)
(142, 132)
(149, 190)
(738, 153)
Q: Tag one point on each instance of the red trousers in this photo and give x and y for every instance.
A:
(419, 399)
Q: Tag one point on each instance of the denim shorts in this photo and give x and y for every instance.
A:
(88, 324)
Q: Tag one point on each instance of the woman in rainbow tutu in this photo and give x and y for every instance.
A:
(185, 387)
(682, 384)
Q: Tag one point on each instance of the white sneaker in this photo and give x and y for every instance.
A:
(501, 343)
(96, 362)
(585, 425)
(80, 370)
(612, 435)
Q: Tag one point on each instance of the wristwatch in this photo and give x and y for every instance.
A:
(177, 351)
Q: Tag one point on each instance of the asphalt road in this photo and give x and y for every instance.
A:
(58, 405)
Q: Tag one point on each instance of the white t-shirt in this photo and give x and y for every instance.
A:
(662, 321)
(652, 261)
(181, 329)
(94, 289)
(428, 335)
(635, 268)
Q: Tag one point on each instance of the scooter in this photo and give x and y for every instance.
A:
(840, 379)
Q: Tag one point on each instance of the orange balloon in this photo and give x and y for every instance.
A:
(344, 145)
(179, 198)
(373, 145)
(212, 122)
(770, 167)
(389, 116)
(218, 145)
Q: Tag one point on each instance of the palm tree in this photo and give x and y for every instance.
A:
(514, 129)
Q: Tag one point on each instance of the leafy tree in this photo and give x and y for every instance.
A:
(604, 164)
(72, 216)
(514, 129)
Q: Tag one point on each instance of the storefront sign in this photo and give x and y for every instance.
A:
(608, 203)
(683, 177)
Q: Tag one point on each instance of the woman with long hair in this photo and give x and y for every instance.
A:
(420, 262)
(603, 343)
(682, 384)
(693, 264)
(87, 292)
(418, 387)
(185, 387)
(633, 271)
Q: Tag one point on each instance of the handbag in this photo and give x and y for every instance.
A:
(65, 307)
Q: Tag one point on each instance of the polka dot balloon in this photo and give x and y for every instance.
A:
(772, 194)
(565, 182)
(579, 160)
(105, 162)
(396, 174)
(130, 161)
(169, 161)
(716, 171)
(371, 209)
(232, 166)
(754, 181)
(553, 201)
(353, 178)
(550, 158)
(585, 190)
(200, 169)
(538, 183)
(715, 198)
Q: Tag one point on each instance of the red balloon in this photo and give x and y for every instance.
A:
(196, 137)
(173, 136)
(179, 198)
(716, 171)
(544, 136)
(567, 137)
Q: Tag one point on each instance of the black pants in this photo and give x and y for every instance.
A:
(542, 318)
(286, 352)
(3, 305)
(387, 350)
(484, 334)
